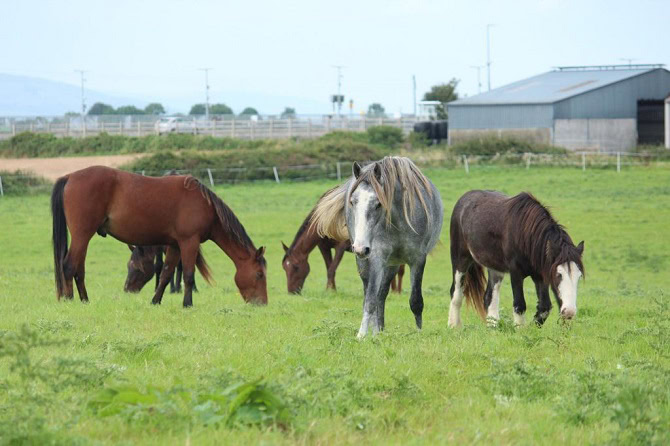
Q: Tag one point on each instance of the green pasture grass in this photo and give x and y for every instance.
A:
(601, 379)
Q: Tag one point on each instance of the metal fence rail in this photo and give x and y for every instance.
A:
(23, 183)
(233, 127)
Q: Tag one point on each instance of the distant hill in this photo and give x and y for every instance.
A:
(30, 96)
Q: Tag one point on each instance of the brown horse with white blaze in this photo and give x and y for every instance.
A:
(132, 209)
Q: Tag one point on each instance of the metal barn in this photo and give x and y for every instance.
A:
(611, 107)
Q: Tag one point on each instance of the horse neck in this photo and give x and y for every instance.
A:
(305, 243)
(238, 254)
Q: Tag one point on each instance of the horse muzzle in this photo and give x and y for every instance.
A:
(568, 312)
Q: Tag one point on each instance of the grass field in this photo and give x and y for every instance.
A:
(119, 370)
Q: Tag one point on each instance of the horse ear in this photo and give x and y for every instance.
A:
(580, 247)
(284, 246)
(260, 252)
(378, 172)
(131, 247)
(356, 168)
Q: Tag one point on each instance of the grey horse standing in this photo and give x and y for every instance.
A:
(393, 215)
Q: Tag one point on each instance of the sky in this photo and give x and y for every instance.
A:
(271, 54)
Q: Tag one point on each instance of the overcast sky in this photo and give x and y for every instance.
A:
(285, 50)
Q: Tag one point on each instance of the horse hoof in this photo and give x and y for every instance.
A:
(419, 322)
(155, 302)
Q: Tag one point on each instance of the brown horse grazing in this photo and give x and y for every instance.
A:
(131, 208)
(295, 262)
(144, 262)
(515, 235)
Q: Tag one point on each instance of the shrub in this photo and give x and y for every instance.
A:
(385, 135)
(492, 146)
(22, 182)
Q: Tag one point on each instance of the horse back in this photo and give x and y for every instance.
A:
(477, 228)
(137, 209)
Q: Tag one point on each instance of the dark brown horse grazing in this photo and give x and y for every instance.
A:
(144, 262)
(295, 262)
(131, 208)
(514, 235)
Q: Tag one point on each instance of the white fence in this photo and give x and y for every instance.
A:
(21, 183)
(220, 126)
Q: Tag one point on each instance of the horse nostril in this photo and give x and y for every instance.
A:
(366, 251)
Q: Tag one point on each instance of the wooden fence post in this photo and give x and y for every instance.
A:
(274, 169)
(618, 162)
(583, 162)
(465, 163)
(211, 180)
(339, 172)
(2, 192)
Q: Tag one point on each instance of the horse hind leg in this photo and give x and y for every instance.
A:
(492, 297)
(75, 267)
(457, 295)
(416, 296)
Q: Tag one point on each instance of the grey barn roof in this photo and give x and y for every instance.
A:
(551, 87)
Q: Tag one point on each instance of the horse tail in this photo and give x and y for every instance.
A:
(59, 236)
(328, 215)
(474, 287)
(203, 267)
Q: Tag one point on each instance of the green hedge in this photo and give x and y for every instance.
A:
(500, 146)
(23, 182)
(35, 145)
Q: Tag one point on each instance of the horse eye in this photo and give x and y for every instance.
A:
(295, 267)
(378, 206)
(259, 275)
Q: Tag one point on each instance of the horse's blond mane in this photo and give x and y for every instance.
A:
(383, 177)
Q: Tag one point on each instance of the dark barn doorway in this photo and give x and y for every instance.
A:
(650, 122)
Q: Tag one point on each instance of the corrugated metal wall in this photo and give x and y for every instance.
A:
(501, 116)
(615, 101)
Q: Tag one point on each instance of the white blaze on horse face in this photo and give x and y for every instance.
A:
(456, 301)
(361, 198)
(567, 288)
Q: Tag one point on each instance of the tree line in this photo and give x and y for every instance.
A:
(443, 93)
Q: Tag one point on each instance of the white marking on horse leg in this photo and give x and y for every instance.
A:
(519, 319)
(456, 301)
(364, 324)
(493, 313)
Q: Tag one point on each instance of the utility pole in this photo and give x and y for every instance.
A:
(83, 99)
(339, 87)
(414, 90)
(488, 52)
(479, 77)
(206, 70)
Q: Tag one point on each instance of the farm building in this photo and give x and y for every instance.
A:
(610, 107)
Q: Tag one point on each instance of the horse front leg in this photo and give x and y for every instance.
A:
(519, 300)
(416, 296)
(543, 302)
(340, 249)
(376, 283)
(171, 260)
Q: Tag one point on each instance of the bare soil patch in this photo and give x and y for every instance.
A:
(53, 168)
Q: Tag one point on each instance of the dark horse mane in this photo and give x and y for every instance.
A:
(227, 218)
(542, 239)
(301, 230)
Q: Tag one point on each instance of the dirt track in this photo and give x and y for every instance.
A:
(52, 168)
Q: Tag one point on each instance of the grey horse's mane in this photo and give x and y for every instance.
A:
(383, 176)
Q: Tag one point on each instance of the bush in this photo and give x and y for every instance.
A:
(492, 146)
(22, 182)
(385, 135)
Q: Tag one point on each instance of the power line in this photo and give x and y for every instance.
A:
(206, 70)
(488, 52)
(339, 87)
(83, 99)
(479, 77)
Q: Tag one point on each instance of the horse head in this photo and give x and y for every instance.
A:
(296, 268)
